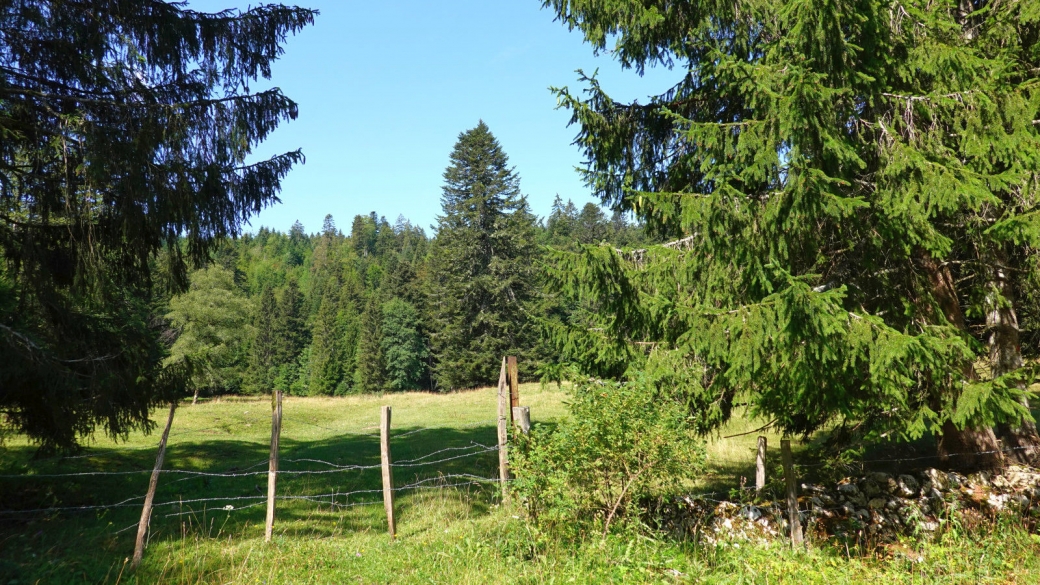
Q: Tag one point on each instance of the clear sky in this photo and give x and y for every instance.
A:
(386, 87)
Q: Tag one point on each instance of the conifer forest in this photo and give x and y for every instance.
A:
(797, 340)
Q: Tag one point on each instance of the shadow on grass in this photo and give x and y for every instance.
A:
(86, 544)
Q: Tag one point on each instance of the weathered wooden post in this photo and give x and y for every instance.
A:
(503, 429)
(146, 511)
(522, 418)
(793, 517)
(272, 466)
(388, 472)
(760, 466)
(513, 376)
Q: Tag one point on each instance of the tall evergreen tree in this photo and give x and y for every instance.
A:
(481, 267)
(326, 369)
(298, 243)
(403, 347)
(289, 326)
(853, 189)
(370, 373)
(125, 128)
(263, 350)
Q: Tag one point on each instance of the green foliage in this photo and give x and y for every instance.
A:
(370, 373)
(404, 350)
(621, 443)
(482, 279)
(444, 535)
(124, 127)
(263, 350)
(211, 322)
(326, 369)
(852, 190)
(294, 377)
(289, 327)
(567, 228)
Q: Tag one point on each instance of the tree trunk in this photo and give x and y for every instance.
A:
(970, 447)
(1005, 355)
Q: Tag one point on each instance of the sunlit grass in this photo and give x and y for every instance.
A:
(445, 535)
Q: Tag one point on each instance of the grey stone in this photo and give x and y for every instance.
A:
(847, 488)
(937, 478)
(751, 513)
(908, 486)
(879, 476)
(857, 499)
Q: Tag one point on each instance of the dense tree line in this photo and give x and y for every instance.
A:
(386, 306)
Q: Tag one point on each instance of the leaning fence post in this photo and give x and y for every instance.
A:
(146, 512)
(792, 493)
(503, 429)
(512, 374)
(522, 418)
(760, 466)
(272, 467)
(388, 472)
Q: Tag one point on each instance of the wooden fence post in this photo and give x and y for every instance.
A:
(512, 374)
(388, 472)
(522, 417)
(503, 429)
(146, 511)
(793, 517)
(760, 466)
(272, 466)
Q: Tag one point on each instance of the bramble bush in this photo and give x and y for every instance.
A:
(621, 444)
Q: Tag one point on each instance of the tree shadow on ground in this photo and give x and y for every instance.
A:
(329, 486)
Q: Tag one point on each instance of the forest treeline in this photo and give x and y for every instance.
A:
(848, 212)
(340, 311)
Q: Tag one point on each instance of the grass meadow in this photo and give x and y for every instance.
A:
(452, 527)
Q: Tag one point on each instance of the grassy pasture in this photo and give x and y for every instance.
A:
(231, 435)
(445, 535)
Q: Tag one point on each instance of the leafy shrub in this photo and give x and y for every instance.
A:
(622, 443)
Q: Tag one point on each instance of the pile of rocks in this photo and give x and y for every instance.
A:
(881, 506)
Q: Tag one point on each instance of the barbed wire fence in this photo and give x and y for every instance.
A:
(435, 462)
(460, 468)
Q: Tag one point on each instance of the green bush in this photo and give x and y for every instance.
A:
(621, 444)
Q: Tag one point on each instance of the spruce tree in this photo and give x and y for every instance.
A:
(348, 321)
(403, 347)
(482, 279)
(289, 326)
(370, 372)
(852, 189)
(326, 369)
(125, 125)
(263, 350)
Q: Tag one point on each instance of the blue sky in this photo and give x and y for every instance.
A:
(386, 87)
